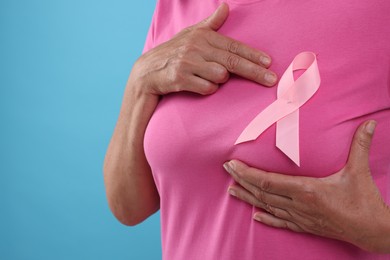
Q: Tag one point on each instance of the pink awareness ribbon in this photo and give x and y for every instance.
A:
(291, 95)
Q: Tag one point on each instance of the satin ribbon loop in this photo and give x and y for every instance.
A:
(291, 95)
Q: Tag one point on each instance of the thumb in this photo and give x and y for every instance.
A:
(217, 19)
(360, 147)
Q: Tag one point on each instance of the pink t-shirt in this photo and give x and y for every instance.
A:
(190, 136)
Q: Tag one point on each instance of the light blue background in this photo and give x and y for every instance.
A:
(63, 68)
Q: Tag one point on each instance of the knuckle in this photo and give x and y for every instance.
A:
(186, 49)
(278, 214)
(260, 195)
(253, 56)
(221, 76)
(175, 71)
(292, 227)
(257, 73)
(179, 64)
(172, 76)
(258, 204)
(363, 142)
(318, 226)
(176, 85)
(270, 210)
(190, 40)
(176, 88)
(173, 64)
(208, 88)
(255, 202)
(233, 46)
(264, 185)
(322, 225)
(176, 78)
(288, 226)
(232, 62)
(242, 170)
(285, 225)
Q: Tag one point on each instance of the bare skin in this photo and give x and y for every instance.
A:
(197, 60)
(346, 205)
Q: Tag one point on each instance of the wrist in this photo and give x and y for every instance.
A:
(379, 241)
(142, 79)
(139, 87)
(138, 99)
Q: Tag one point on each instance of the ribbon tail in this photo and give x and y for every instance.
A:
(287, 136)
(271, 114)
(284, 111)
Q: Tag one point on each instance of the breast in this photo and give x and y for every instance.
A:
(188, 129)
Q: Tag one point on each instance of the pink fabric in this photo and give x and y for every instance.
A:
(284, 111)
(189, 136)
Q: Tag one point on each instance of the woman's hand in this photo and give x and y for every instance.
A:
(346, 205)
(198, 59)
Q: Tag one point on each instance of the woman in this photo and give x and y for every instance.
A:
(188, 137)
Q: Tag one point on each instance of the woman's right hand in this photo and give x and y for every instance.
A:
(198, 59)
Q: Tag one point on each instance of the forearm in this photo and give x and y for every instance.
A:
(130, 188)
(197, 60)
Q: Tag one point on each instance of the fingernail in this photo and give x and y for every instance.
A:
(228, 167)
(265, 60)
(257, 217)
(232, 192)
(370, 127)
(270, 78)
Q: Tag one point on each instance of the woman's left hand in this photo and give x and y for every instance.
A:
(346, 205)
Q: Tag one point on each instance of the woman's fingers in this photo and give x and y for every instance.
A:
(211, 71)
(275, 214)
(339, 206)
(238, 58)
(243, 67)
(360, 148)
(258, 198)
(273, 221)
(198, 85)
(232, 46)
(275, 183)
(201, 51)
(216, 19)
